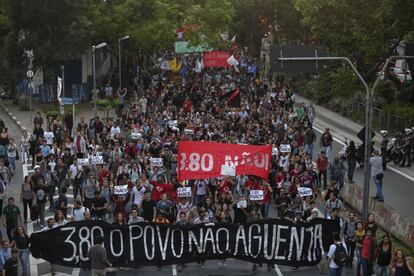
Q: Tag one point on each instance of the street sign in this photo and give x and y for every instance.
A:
(69, 101)
(361, 135)
(291, 67)
(30, 73)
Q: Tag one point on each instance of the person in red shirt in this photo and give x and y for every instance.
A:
(369, 247)
(322, 166)
(187, 105)
(296, 171)
(280, 179)
(131, 150)
(160, 187)
(267, 191)
(306, 181)
(299, 138)
(225, 186)
(252, 183)
(103, 174)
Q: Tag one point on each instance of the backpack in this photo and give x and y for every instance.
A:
(340, 256)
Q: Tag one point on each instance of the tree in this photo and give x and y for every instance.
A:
(254, 19)
(206, 20)
(367, 30)
(57, 31)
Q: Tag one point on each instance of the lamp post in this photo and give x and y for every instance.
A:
(99, 46)
(120, 59)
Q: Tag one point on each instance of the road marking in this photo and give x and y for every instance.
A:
(335, 139)
(277, 270)
(389, 167)
(174, 270)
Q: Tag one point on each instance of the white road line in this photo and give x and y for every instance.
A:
(389, 167)
(277, 270)
(335, 139)
(174, 270)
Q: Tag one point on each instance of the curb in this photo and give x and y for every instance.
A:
(17, 122)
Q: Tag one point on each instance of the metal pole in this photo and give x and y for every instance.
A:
(73, 117)
(120, 61)
(94, 80)
(30, 99)
(63, 80)
(367, 124)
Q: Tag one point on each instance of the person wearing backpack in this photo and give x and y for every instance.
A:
(348, 233)
(337, 255)
(336, 172)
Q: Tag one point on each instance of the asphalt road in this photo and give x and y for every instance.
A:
(233, 267)
(398, 187)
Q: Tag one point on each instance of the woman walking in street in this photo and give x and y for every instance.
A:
(351, 157)
(401, 267)
(384, 255)
(12, 155)
(25, 146)
(21, 241)
(26, 196)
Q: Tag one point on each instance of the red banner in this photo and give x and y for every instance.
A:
(216, 59)
(202, 160)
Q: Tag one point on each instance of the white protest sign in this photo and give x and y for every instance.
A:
(242, 204)
(256, 195)
(284, 148)
(156, 162)
(136, 135)
(228, 170)
(97, 160)
(172, 123)
(275, 151)
(303, 191)
(188, 131)
(121, 190)
(184, 192)
(83, 161)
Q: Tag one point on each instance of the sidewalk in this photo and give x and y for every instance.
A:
(343, 127)
(22, 118)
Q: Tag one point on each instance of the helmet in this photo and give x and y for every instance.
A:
(408, 131)
(383, 132)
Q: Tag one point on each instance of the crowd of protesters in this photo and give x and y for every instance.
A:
(221, 105)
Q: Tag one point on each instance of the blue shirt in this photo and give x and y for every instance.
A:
(45, 150)
(4, 256)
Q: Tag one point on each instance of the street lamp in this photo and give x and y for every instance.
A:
(120, 60)
(368, 123)
(99, 46)
(370, 93)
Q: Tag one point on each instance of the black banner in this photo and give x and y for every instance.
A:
(267, 241)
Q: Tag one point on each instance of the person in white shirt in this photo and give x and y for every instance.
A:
(115, 129)
(25, 146)
(73, 171)
(377, 173)
(48, 135)
(50, 225)
(134, 172)
(284, 162)
(78, 211)
(138, 192)
(335, 269)
(201, 189)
